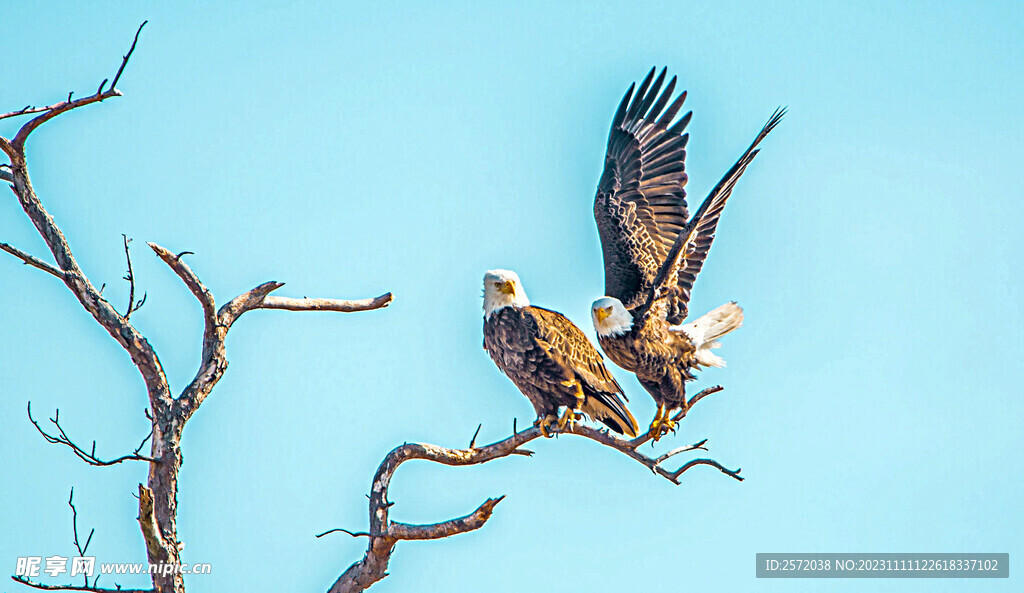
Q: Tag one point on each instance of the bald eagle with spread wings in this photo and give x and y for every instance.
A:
(549, 359)
(653, 250)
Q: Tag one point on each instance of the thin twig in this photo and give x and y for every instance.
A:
(26, 110)
(472, 441)
(90, 458)
(74, 526)
(694, 447)
(43, 587)
(352, 533)
(124, 60)
(130, 277)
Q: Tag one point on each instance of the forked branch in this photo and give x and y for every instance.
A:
(61, 438)
(74, 527)
(51, 111)
(384, 534)
(217, 322)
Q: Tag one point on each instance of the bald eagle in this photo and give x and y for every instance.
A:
(653, 252)
(549, 359)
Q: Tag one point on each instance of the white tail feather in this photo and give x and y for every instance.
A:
(705, 331)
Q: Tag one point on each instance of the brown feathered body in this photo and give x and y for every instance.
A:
(663, 357)
(547, 356)
(661, 360)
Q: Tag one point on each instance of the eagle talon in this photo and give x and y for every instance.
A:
(544, 424)
(658, 429)
(568, 419)
(662, 424)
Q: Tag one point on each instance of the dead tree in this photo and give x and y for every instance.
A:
(158, 497)
(168, 413)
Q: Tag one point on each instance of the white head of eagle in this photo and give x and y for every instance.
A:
(611, 319)
(502, 288)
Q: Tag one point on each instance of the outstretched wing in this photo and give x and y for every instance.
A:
(641, 201)
(567, 343)
(686, 258)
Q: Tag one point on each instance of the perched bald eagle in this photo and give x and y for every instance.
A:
(652, 252)
(549, 359)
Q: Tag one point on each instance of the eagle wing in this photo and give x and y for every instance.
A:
(640, 205)
(567, 343)
(686, 257)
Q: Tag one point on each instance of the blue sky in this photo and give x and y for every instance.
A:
(872, 396)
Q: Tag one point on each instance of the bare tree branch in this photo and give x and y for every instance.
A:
(125, 58)
(74, 526)
(56, 109)
(385, 534)
(89, 457)
(470, 522)
(406, 531)
(197, 288)
(31, 260)
(339, 305)
(27, 110)
(732, 473)
(52, 111)
(654, 464)
(218, 322)
(43, 587)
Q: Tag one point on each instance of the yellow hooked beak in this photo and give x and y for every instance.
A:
(602, 314)
(508, 287)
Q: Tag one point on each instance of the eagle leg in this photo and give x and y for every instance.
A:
(661, 424)
(572, 413)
